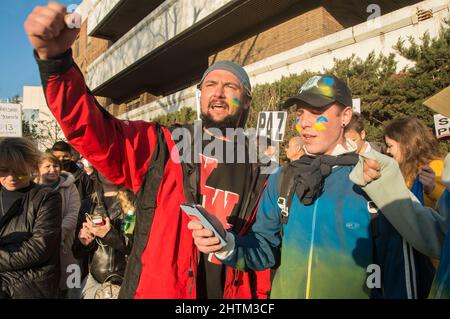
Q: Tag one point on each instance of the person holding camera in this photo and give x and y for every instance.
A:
(105, 228)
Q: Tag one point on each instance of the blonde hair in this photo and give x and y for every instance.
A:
(19, 155)
(126, 200)
(418, 146)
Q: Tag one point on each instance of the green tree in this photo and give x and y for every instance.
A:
(385, 93)
(182, 116)
(30, 131)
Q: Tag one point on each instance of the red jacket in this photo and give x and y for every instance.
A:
(140, 155)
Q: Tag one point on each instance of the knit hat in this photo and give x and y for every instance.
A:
(236, 69)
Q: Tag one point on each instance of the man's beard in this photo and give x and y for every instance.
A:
(230, 121)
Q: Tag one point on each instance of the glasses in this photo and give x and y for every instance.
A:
(4, 172)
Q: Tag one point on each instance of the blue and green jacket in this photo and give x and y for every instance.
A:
(426, 229)
(327, 249)
(441, 284)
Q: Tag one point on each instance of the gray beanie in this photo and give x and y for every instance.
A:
(236, 69)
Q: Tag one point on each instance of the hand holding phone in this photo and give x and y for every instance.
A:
(208, 221)
(96, 220)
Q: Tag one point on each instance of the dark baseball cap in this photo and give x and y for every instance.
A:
(320, 91)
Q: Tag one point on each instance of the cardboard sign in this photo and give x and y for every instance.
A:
(10, 120)
(272, 125)
(442, 126)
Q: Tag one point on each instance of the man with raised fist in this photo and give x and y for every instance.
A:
(145, 157)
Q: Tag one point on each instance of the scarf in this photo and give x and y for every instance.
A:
(309, 173)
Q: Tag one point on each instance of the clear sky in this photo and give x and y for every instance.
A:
(17, 65)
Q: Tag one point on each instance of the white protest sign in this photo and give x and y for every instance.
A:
(357, 105)
(442, 126)
(272, 125)
(10, 120)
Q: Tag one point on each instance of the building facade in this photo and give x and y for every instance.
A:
(143, 58)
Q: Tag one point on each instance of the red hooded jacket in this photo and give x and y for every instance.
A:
(142, 156)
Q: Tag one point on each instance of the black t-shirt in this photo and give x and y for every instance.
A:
(8, 198)
(223, 185)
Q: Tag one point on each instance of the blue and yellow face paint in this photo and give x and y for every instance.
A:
(298, 127)
(327, 89)
(235, 102)
(319, 124)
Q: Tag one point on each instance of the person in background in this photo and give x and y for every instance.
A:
(294, 149)
(30, 225)
(63, 151)
(425, 228)
(87, 166)
(50, 174)
(410, 142)
(76, 157)
(355, 131)
(106, 245)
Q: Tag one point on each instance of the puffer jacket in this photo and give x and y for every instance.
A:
(30, 236)
(108, 255)
(70, 208)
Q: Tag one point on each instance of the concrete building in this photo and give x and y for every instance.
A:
(35, 111)
(143, 58)
(34, 106)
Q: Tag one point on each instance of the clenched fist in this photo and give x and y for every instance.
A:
(47, 31)
(428, 179)
(371, 170)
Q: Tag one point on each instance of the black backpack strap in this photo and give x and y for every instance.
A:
(374, 213)
(191, 174)
(286, 192)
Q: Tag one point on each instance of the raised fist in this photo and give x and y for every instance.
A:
(47, 30)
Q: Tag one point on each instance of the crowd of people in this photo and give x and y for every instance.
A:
(345, 218)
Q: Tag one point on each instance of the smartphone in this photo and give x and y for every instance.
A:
(209, 221)
(97, 220)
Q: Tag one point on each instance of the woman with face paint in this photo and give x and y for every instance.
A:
(30, 225)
